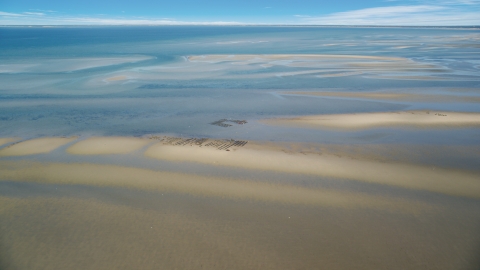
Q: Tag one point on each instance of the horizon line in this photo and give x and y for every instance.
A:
(244, 24)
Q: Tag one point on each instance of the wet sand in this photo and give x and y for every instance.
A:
(411, 119)
(35, 146)
(227, 188)
(394, 95)
(410, 78)
(253, 57)
(116, 78)
(85, 215)
(396, 174)
(164, 231)
(274, 158)
(262, 66)
(7, 140)
(107, 145)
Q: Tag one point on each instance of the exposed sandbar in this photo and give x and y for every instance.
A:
(246, 57)
(387, 95)
(35, 146)
(341, 74)
(415, 119)
(409, 176)
(116, 78)
(394, 65)
(414, 78)
(7, 140)
(107, 145)
(128, 177)
(251, 66)
(131, 231)
(456, 156)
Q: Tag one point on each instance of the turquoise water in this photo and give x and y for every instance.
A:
(63, 81)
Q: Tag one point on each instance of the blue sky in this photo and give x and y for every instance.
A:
(219, 12)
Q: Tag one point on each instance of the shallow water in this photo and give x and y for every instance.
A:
(166, 93)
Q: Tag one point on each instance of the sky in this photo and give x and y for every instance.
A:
(241, 12)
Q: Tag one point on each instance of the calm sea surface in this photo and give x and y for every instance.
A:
(135, 81)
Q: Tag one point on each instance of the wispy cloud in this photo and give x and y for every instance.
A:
(452, 2)
(43, 11)
(422, 15)
(8, 14)
(34, 13)
(419, 13)
(38, 18)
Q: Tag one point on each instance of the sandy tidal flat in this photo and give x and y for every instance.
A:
(164, 231)
(395, 95)
(95, 216)
(258, 66)
(403, 175)
(291, 57)
(107, 145)
(7, 140)
(35, 146)
(415, 119)
(231, 188)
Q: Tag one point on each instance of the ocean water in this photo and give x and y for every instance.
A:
(136, 81)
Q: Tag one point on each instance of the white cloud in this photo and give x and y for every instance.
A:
(43, 10)
(108, 21)
(442, 13)
(10, 14)
(34, 13)
(452, 3)
(458, 2)
(421, 15)
(37, 18)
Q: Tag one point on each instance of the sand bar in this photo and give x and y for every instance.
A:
(116, 78)
(285, 74)
(250, 66)
(452, 182)
(246, 57)
(415, 119)
(341, 74)
(390, 95)
(35, 146)
(107, 145)
(414, 78)
(7, 140)
(163, 232)
(129, 177)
